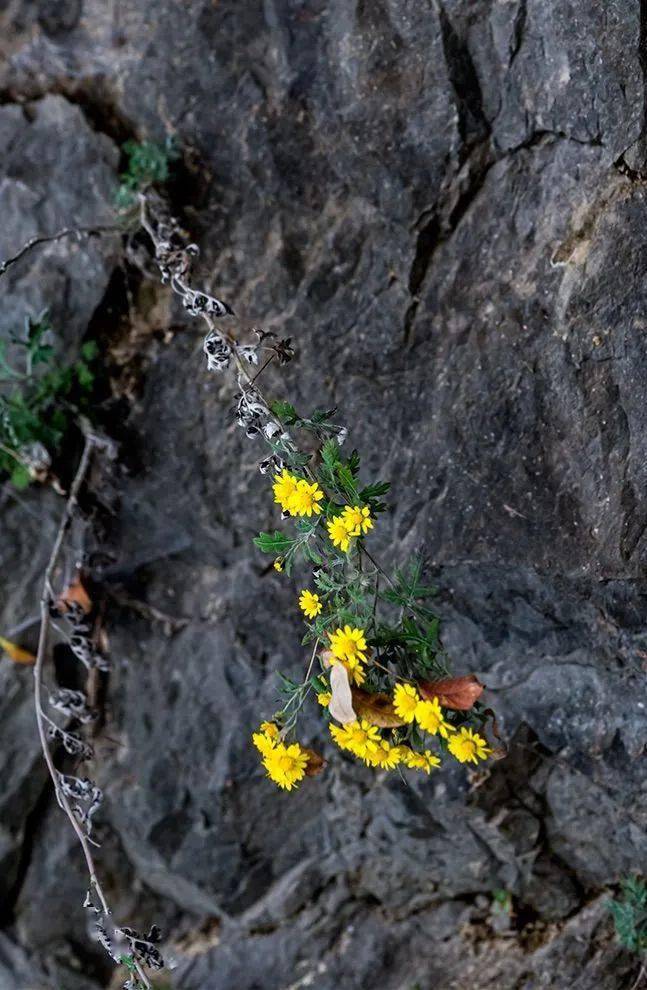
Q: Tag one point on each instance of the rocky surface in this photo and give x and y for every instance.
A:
(443, 203)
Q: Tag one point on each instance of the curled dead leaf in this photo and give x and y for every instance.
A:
(376, 708)
(341, 703)
(315, 764)
(16, 653)
(458, 693)
(75, 593)
(498, 752)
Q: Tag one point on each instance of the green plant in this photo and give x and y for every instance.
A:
(39, 398)
(147, 163)
(629, 913)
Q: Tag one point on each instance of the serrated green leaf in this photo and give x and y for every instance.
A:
(276, 543)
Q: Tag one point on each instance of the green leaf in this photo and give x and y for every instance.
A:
(347, 483)
(20, 477)
(89, 350)
(330, 454)
(374, 491)
(284, 411)
(276, 543)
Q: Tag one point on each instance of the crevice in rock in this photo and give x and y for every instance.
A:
(33, 821)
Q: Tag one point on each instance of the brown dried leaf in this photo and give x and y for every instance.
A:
(341, 703)
(16, 653)
(75, 593)
(459, 693)
(376, 708)
(499, 752)
(316, 763)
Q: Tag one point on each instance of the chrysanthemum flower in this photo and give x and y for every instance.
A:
(405, 701)
(338, 533)
(385, 756)
(360, 738)
(430, 717)
(278, 564)
(284, 487)
(348, 647)
(358, 519)
(431, 761)
(310, 604)
(468, 747)
(286, 765)
(324, 698)
(266, 737)
(305, 499)
(348, 643)
(415, 761)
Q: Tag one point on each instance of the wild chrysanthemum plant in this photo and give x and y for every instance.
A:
(376, 665)
(629, 912)
(39, 399)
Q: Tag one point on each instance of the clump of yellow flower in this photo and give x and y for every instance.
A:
(348, 645)
(310, 604)
(285, 765)
(430, 718)
(278, 564)
(468, 747)
(324, 698)
(360, 737)
(284, 487)
(305, 499)
(357, 519)
(405, 702)
(385, 756)
(339, 533)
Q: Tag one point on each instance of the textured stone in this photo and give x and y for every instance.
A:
(432, 199)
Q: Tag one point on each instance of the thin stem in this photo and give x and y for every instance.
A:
(47, 239)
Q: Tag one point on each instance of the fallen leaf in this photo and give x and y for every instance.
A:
(499, 752)
(459, 693)
(16, 653)
(75, 593)
(315, 763)
(341, 703)
(376, 708)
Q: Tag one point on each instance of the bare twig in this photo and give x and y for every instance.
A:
(95, 231)
(47, 600)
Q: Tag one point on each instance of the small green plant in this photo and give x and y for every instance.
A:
(147, 163)
(39, 399)
(629, 913)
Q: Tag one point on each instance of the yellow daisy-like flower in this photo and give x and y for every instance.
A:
(357, 519)
(278, 564)
(305, 499)
(286, 765)
(430, 718)
(263, 742)
(284, 487)
(324, 698)
(270, 729)
(405, 702)
(338, 533)
(431, 761)
(348, 644)
(360, 738)
(310, 604)
(468, 747)
(348, 647)
(413, 760)
(385, 756)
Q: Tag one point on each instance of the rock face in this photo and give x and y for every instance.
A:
(443, 203)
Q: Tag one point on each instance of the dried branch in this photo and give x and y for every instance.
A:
(79, 232)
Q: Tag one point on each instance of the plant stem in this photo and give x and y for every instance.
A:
(47, 239)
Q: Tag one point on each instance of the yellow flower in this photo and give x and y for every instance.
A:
(285, 485)
(385, 756)
(358, 519)
(430, 718)
(266, 737)
(348, 646)
(309, 604)
(348, 643)
(468, 747)
(324, 698)
(405, 702)
(270, 729)
(338, 533)
(286, 765)
(430, 761)
(305, 499)
(360, 738)
(278, 564)
(415, 761)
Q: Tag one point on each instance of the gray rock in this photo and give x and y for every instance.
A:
(434, 201)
